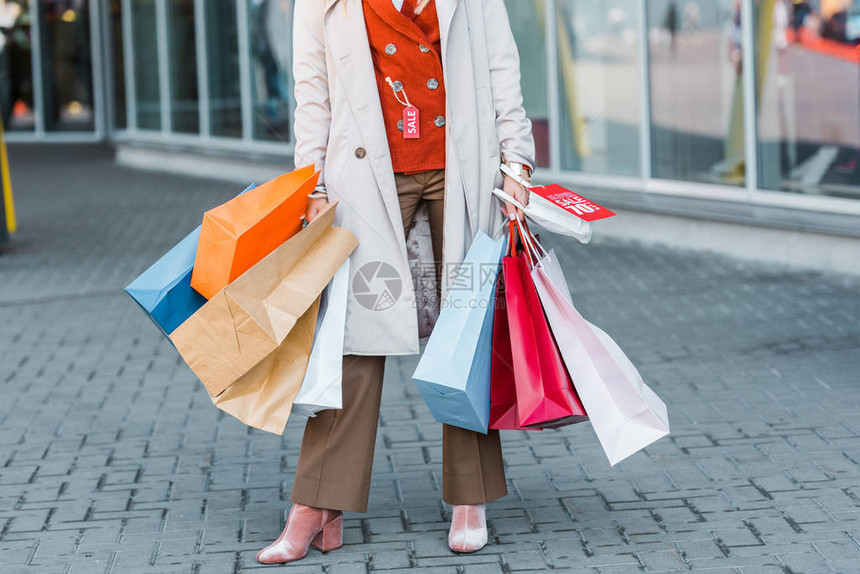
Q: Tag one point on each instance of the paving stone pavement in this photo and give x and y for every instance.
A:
(113, 460)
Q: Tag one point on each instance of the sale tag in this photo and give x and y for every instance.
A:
(411, 123)
(576, 204)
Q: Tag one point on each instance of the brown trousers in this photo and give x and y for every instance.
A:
(337, 449)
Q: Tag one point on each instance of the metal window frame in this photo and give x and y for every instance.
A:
(97, 74)
(245, 93)
(644, 62)
(202, 55)
(750, 86)
(552, 85)
(36, 67)
(128, 68)
(109, 78)
(165, 87)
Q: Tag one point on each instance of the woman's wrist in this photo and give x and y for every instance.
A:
(520, 170)
(319, 192)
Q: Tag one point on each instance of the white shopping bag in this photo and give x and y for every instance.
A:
(626, 414)
(550, 217)
(321, 388)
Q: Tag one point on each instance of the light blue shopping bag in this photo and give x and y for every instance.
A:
(164, 290)
(453, 374)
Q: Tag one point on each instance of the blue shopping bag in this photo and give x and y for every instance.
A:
(453, 374)
(164, 290)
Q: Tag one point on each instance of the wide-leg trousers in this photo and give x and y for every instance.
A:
(336, 458)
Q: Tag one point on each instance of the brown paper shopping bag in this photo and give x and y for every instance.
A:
(248, 320)
(263, 397)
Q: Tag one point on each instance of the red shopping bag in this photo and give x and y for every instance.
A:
(503, 390)
(545, 394)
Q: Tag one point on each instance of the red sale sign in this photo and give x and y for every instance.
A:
(574, 203)
(411, 123)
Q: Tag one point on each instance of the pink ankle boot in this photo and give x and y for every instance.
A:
(468, 528)
(306, 526)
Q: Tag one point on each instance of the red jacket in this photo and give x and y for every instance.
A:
(407, 48)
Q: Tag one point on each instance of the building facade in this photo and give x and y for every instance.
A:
(737, 109)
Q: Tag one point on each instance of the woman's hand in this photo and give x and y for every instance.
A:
(315, 206)
(518, 192)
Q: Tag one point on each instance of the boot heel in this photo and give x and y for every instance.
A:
(330, 537)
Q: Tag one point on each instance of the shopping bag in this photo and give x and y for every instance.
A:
(626, 414)
(250, 318)
(453, 374)
(545, 392)
(550, 216)
(321, 387)
(264, 396)
(239, 233)
(164, 290)
(503, 387)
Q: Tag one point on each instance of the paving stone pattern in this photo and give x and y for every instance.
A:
(113, 460)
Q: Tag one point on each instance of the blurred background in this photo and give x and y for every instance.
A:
(744, 111)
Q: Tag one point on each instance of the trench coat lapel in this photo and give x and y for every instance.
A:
(346, 36)
(445, 13)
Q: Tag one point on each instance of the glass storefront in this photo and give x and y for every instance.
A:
(270, 31)
(67, 85)
(809, 96)
(527, 23)
(222, 48)
(599, 84)
(114, 40)
(736, 100)
(184, 98)
(17, 103)
(147, 81)
(697, 93)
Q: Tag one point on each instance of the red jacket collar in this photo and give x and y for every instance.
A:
(399, 21)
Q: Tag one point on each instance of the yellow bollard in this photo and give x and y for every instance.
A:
(6, 184)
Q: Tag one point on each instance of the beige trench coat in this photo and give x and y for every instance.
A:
(339, 128)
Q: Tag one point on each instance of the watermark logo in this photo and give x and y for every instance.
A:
(377, 286)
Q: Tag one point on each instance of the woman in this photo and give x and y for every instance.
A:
(400, 102)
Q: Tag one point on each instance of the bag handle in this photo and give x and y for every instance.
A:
(505, 197)
(541, 251)
(531, 252)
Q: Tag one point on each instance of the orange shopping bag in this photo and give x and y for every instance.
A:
(241, 232)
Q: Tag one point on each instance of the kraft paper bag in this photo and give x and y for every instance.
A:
(263, 397)
(239, 233)
(250, 318)
(322, 386)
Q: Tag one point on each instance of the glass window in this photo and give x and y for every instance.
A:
(16, 66)
(599, 81)
(117, 63)
(809, 96)
(184, 97)
(527, 23)
(697, 115)
(66, 65)
(270, 23)
(222, 43)
(145, 44)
